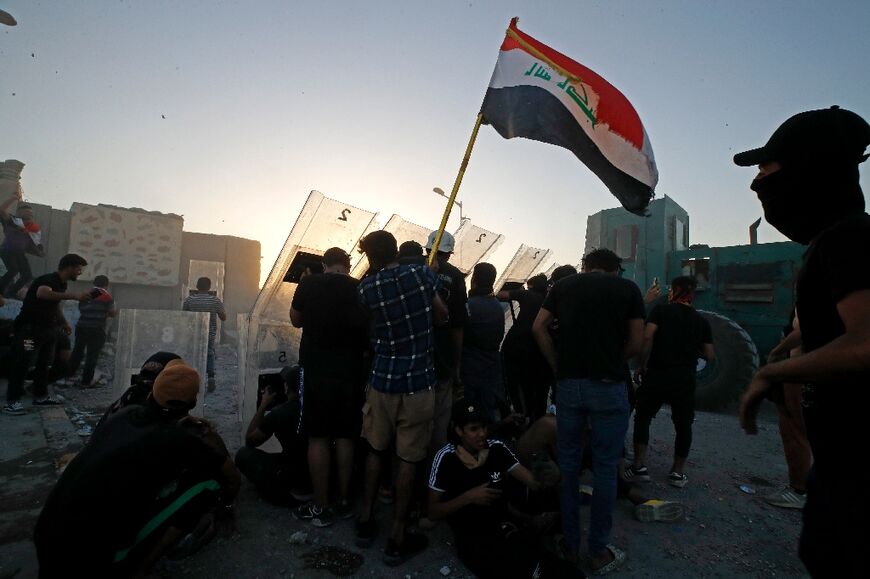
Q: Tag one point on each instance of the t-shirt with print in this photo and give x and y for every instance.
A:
(37, 312)
(399, 300)
(680, 334)
(335, 327)
(451, 288)
(451, 477)
(593, 310)
(836, 264)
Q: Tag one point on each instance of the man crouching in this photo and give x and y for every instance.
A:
(146, 482)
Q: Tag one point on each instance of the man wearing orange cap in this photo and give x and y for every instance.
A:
(148, 482)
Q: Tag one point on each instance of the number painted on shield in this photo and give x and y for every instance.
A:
(344, 213)
(168, 335)
(282, 357)
(480, 237)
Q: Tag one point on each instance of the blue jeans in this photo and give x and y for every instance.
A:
(603, 407)
(209, 359)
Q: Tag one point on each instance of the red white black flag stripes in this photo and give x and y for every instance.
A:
(540, 94)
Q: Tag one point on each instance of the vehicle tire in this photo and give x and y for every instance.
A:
(721, 381)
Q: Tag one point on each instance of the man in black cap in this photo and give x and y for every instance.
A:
(808, 184)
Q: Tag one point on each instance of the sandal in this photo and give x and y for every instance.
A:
(619, 557)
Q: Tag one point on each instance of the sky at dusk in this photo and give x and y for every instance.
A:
(229, 113)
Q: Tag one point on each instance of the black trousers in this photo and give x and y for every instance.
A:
(89, 344)
(273, 474)
(16, 264)
(30, 342)
(673, 387)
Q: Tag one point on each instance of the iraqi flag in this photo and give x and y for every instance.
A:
(541, 94)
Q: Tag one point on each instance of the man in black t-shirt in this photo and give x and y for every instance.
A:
(147, 481)
(600, 328)
(467, 488)
(448, 338)
(674, 337)
(280, 477)
(808, 185)
(527, 375)
(481, 372)
(36, 332)
(332, 355)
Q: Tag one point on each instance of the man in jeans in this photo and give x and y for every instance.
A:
(400, 401)
(36, 332)
(600, 328)
(91, 329)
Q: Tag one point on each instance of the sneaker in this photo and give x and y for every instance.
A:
(322, 517)
(676, 479)
(787, 498)
(14, 408)
(635, 474)
(47, 401)
(307, 511)
(656, 510)
(366, 532)
(412, 545)
(343, 510)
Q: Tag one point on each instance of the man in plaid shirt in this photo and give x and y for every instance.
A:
(399, 406)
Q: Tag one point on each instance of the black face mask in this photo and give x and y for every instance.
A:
(788, 205)
(800, 204)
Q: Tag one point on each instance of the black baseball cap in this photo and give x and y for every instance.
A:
(824, 135)
(465, 413)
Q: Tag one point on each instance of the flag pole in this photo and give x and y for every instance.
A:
(455, 190)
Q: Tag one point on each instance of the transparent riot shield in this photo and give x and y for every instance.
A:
(403, 231)
(525, 263)
(267, 340)
(142, 333)
(473, 244)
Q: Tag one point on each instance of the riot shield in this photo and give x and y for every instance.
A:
(403, 231)
(142, 333)
(526, 262)
(267, 340)
(473, 244)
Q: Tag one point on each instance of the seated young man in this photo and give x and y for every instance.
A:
(149, 481)
(467, 488)
(282, 477)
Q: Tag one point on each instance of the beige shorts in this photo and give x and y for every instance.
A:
(407, 418)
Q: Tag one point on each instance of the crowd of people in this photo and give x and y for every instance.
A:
(407, 384)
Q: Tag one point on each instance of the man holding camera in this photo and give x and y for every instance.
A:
(280, 478)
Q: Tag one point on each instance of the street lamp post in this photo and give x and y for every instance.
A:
(441, 192)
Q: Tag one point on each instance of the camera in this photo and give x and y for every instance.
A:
(274, 383)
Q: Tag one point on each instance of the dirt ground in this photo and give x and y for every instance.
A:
(727, 533)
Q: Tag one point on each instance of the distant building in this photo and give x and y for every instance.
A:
(151, 261)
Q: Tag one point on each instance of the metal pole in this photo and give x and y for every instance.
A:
(455, 190)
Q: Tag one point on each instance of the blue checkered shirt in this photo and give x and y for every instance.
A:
(399, 300)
